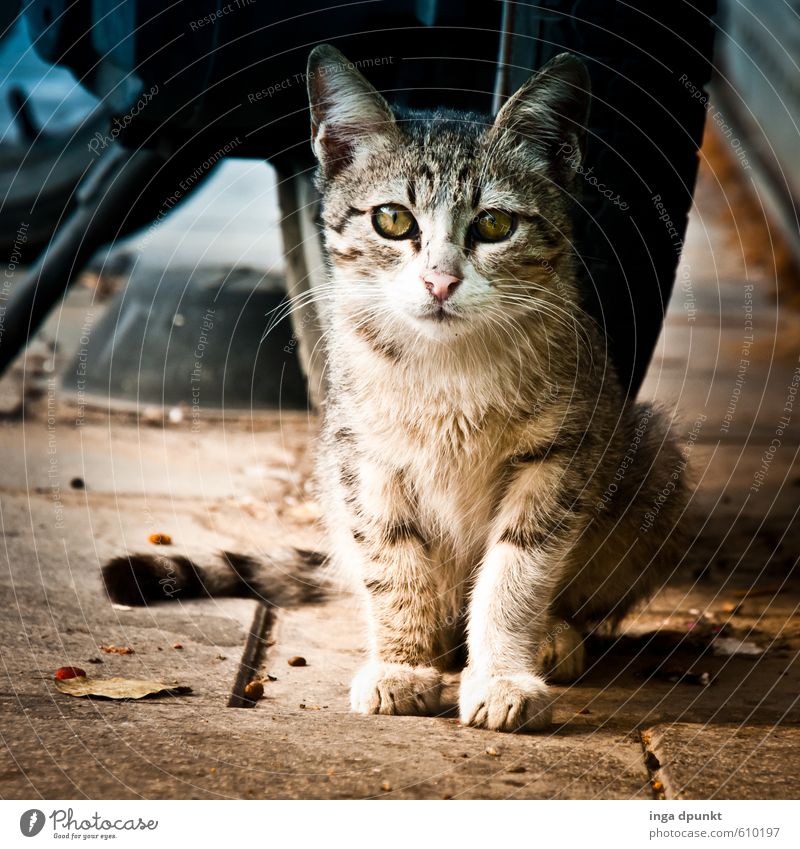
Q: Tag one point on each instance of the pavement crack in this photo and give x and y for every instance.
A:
(654, 766)
(253, 656)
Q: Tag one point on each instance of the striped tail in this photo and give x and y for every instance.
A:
(285, 577)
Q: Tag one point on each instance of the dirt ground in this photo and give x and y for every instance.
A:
(695, 699)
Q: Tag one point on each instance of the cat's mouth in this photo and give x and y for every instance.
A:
(440, 313)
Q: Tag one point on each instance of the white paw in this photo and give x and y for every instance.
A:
(504, 702)
(562, 658)
(396, 689)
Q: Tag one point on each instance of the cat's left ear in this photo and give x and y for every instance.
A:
(552, 107)
(347, 113)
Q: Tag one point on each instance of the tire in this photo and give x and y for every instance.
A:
(645, 128)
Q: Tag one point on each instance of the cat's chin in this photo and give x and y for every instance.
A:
(439, 324)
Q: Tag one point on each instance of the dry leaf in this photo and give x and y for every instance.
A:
(119, 688)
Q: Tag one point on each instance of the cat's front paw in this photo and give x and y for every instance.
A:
(504, 702)
(396, 689)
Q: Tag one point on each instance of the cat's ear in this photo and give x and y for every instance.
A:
(346, 111)
(552, 107)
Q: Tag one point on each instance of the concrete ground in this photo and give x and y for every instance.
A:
(696, 698)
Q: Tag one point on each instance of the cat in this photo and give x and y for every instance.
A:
(482, 477)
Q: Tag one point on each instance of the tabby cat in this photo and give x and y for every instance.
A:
(483, 478)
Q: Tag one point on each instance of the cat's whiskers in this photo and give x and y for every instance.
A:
(542, 309)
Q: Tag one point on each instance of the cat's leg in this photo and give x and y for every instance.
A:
(502, 687)
(638, 534)
(403, 600)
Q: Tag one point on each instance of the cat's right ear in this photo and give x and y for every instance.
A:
(347, 113)
(551, 109)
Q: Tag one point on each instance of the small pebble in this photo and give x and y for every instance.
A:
(64, 673)
(160, 539)
(490, 750)
(77, 483)
(297, 661)
(386, 787)
(178, 646)
(254, 691)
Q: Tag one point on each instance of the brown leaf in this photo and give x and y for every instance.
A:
(119, 688)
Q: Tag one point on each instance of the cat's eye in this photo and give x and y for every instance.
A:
(393, 221)
(492, 225)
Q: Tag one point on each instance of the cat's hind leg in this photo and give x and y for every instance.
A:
(637, 538)
(562, 658)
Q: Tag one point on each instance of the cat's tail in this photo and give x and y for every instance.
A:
(284, 577)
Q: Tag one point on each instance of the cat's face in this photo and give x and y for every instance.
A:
(445, 223)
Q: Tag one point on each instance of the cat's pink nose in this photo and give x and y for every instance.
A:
(440, 285)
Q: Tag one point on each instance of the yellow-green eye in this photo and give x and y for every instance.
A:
(492, 225)
(394, 221)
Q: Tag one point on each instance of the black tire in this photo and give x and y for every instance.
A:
(645, 128)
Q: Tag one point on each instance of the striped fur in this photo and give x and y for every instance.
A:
(465, 460)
